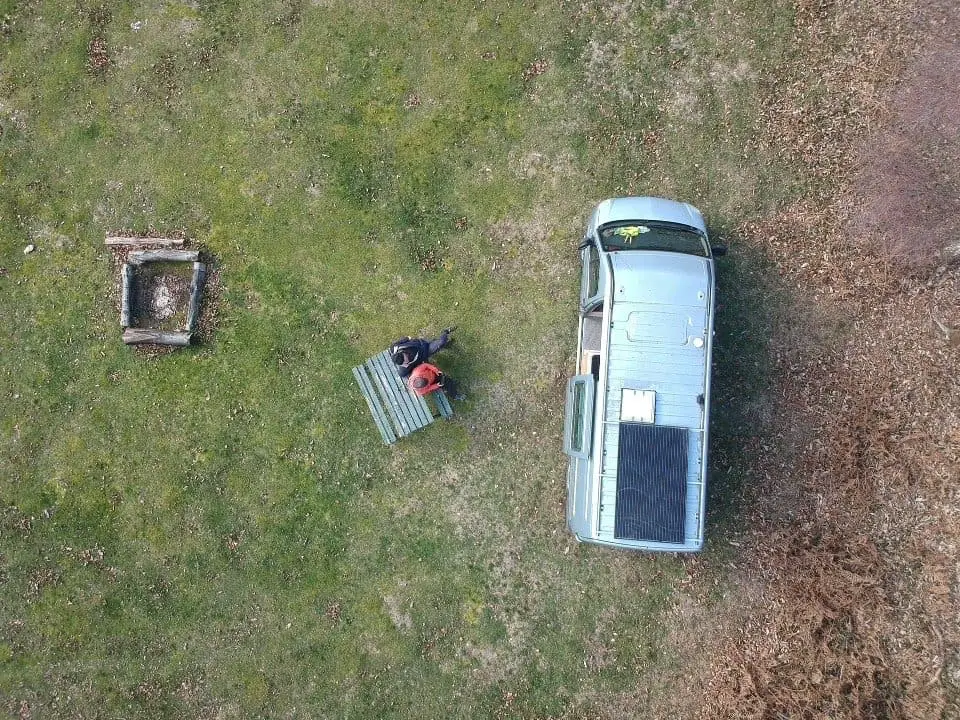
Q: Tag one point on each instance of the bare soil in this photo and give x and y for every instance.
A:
(907, 182)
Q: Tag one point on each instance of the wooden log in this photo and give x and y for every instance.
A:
(139, 257)
(132, 241)
(135, 336)
(193, 310)
(126, 292)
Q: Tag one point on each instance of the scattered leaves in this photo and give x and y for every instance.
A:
(536, 68)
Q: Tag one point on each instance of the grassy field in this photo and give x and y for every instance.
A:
(218, 532)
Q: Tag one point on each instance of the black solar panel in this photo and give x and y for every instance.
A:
(651, 483)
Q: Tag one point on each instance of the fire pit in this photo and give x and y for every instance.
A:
(160, 294)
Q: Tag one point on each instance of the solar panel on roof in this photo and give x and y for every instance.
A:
(651, 483)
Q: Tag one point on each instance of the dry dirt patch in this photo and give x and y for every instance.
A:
(908, 179)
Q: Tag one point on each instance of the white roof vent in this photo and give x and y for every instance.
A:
(638, 405)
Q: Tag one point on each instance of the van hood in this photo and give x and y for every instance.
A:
(647, 209)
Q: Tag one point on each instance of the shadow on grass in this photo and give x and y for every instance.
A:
(751, 304)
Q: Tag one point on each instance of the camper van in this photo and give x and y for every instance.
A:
(638, 406)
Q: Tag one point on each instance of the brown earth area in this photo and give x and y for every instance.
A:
(844, 599)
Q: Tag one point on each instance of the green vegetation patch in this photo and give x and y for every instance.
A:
(218, 532)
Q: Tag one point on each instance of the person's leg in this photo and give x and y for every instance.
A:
(449, 386)
(440, 343)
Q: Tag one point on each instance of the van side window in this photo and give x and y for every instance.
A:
(576, 433)
(590, 279)
(593, 279)
(579, 416)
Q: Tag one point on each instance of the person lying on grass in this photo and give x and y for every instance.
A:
(407, 353)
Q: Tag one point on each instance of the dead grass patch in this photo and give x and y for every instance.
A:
(398, 611)
(40, 579)
(857, 581)
(98, 57)
(833, 633)
(859, 592)
(600, 650)
(14, 520)
(536, 68)
(826, 95)
(536, 246)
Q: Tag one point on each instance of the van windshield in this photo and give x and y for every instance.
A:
(653, 236)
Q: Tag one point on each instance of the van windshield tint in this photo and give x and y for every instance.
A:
(653, 236)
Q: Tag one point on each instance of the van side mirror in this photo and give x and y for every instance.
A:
(587, 242)
(718, 250)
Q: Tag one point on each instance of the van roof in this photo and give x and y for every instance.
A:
(661, 278)
(659, 340)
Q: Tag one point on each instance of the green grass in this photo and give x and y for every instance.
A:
(359, 171)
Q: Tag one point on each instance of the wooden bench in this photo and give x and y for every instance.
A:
(396, 410)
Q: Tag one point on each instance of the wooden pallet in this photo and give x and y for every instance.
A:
(397, 411)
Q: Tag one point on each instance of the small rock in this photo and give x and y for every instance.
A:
(29, 249)
(136, 25)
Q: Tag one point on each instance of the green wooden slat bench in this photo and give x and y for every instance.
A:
(397, 411)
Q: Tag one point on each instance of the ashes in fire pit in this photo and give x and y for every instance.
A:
(161, 295)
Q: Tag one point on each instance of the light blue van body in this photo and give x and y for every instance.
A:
(638, 407)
